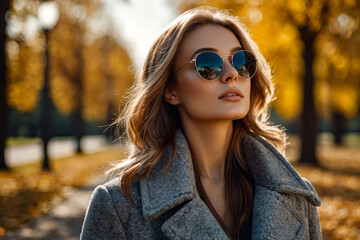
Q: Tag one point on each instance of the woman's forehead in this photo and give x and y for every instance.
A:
(216, 37)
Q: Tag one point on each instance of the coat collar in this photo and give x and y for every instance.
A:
(271, 170)
(161, 192)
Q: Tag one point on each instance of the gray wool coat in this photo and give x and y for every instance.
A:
(168, 206)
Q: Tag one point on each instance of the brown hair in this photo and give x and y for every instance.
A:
(150, 122)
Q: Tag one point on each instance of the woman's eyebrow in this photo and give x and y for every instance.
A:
(235, 49)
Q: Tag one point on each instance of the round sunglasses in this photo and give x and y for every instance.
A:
(210, 65)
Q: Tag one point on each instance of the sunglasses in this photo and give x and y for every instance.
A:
(210, 65)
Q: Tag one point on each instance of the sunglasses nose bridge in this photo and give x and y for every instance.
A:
(229, 71)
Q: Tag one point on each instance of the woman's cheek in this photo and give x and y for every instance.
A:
(196, 98)
(195, 89)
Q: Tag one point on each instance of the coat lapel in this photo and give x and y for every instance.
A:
(271, 170)
(275, 218)
(162, 192)
(278, 213)
(193, 221)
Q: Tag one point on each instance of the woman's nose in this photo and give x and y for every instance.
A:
(229, 73)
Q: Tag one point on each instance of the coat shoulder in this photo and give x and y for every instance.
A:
(103, 217)
(119, 199)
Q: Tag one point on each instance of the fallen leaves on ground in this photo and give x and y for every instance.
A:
(339, 193)
(337, 182)
(28, 192)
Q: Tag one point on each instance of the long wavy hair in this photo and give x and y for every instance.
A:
(149, 122)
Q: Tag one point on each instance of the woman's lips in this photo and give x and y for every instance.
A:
(232, 95)
(231, 98)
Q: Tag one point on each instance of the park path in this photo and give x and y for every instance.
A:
(64, 221)
(58, 148)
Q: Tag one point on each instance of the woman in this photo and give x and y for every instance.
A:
(205, 163)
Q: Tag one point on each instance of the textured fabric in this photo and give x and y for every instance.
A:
(168, 206)
(243, 233)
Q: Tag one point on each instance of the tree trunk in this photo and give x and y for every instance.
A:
(338, 127)
(79, 124)
(4, 6)
(109, 131)
(46, 110)
(308, 117)
(78, 114)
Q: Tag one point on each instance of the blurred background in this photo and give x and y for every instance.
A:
(66, 65)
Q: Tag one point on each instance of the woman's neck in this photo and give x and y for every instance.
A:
(209, 142)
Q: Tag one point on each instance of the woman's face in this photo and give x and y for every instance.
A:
(200, 99)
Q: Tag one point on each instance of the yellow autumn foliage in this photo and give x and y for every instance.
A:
(82, 63)
(107, 77)
(25, 76)
(274, 25)
(343, 100)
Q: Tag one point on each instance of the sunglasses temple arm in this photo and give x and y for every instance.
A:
(185, 65)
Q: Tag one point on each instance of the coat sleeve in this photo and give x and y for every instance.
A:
(101, 219)
(314, 221)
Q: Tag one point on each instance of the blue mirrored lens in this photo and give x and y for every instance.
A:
(209, 65)
(245, 63)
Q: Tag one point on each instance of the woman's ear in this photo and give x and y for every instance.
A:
(170, 96)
